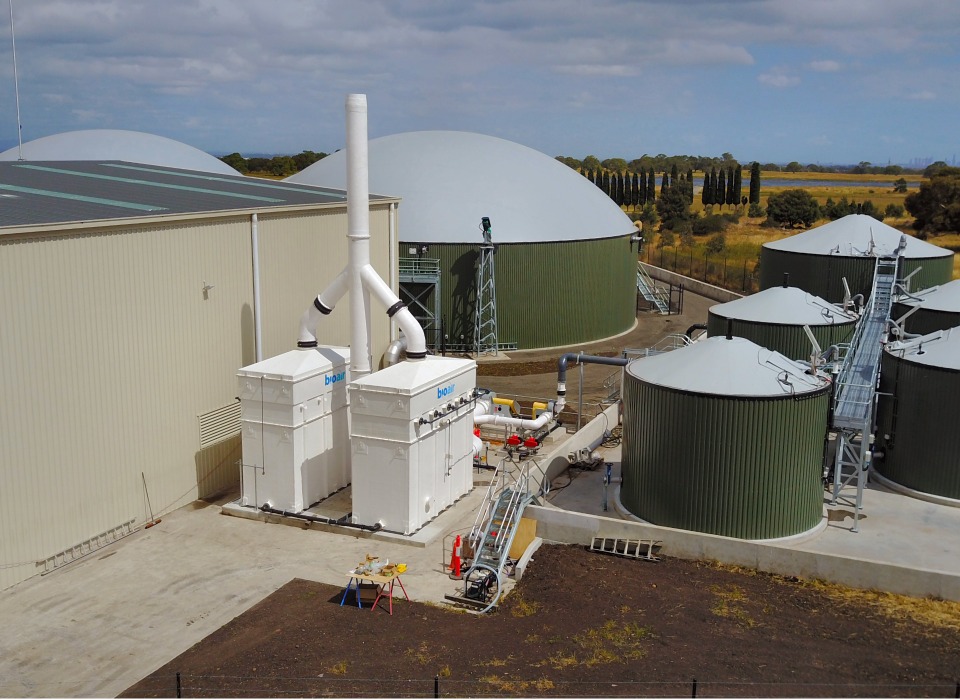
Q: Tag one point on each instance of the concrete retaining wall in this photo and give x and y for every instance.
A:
(696, 286)
(567, 527)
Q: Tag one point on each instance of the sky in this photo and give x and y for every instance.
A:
(815, 81)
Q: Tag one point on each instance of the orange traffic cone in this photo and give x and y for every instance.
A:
(455, 557)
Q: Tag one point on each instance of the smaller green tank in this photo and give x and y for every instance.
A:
(918, 424)
(937, 308)
(774, 318)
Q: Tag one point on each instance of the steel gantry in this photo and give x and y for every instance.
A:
(855, 392)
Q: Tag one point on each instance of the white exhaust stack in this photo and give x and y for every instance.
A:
(359, 277)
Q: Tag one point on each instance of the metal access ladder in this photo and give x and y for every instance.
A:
(856, 387)
(510, 491)
(651, 292)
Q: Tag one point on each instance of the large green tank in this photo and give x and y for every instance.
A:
(724, 437)
(937, 308)
(918, 434)
(819, 259)
(774, 318)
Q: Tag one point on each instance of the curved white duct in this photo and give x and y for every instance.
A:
(395, 351)
(359, 277)
(521, 423)
(477, 446)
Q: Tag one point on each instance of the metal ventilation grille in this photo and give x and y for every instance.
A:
(219, 424)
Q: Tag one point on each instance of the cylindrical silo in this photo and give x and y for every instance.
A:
(775, 317)
(820, 258)
(937, 308)
(918, 434)
(725, 437)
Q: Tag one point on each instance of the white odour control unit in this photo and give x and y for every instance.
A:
(412, 441)
(295, 428)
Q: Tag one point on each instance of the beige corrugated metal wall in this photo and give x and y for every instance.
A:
(111, 350)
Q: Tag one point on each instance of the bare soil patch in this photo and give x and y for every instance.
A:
(581, 624)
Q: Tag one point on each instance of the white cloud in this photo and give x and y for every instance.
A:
(824, 66)
(922, 95)
(777, 78)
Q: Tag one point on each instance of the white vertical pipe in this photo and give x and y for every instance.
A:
(358, 234)
(392, 258)
(255, 254)
(16, 85)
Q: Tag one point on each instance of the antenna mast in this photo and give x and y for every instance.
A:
(16, 86)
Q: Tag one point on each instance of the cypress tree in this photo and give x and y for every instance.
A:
(690, 182)
(755, 183)
(674, 174)
(664, 183)
(729, 198)
(737, 184)
(635, 188)
(705, 192)
(622, 190)
(651, 187)
(606, 183)
(720, 194)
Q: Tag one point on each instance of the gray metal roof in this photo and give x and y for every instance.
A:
(856, 235)
(788, 306)
(118, 144)
(38, 193)
(721, 367)
(938, 349)
(944, 297)
(449, 180)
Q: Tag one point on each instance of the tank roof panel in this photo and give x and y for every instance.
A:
(784, 306)
(449, 180)
(938, 349)
(856, 235)
(944, 297)
(733, 367)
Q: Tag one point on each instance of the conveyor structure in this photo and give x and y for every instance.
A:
(856, 386)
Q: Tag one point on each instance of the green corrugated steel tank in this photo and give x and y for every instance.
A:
(724, 437)
(937, 308)
(818, 260)
(918, 428)
(548, 294)
(774, 318)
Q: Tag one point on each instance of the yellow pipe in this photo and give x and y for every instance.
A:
(507, 402)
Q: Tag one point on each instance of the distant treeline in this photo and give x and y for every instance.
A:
(663, 163)
(278, 166)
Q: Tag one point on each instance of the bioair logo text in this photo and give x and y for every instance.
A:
(334, 378)
(445, 391)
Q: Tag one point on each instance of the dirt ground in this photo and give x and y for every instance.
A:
(583, 624)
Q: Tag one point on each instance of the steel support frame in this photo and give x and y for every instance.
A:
(485, 328)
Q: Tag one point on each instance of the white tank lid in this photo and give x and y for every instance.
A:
(856, 235)
(296, 365)
(938, 349)
(944, 297)
(784, 306)
(720, 366)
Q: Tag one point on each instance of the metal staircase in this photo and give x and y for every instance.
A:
(856, 387)
(651, 292)
(513, 488)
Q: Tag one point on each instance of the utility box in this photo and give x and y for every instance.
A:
(412, 441)
(295, 428)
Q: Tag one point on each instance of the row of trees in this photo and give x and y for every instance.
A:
(662, 163)
(279, 166)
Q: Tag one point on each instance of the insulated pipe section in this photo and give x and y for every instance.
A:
(578, 359)
(397, 310)
(395, 351)
(521, 423)
(695, 327)
(321, 307)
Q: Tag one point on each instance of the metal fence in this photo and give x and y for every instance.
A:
(720, 269)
